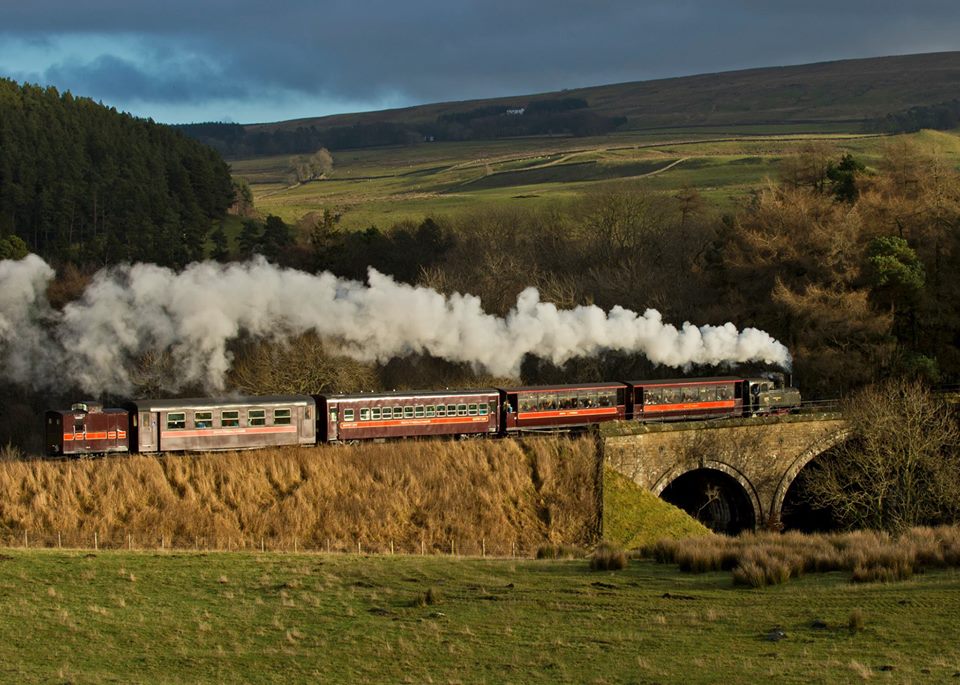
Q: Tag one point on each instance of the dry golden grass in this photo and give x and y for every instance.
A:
(471, 497)
(769, 558)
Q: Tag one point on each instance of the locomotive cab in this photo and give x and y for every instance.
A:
(770, 395)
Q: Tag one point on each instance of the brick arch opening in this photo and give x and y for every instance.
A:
(789, 477)
(715, 494)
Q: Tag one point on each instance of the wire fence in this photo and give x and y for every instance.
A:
(96, 541)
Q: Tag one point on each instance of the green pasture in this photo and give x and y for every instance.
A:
(381, 186)
(145, 617)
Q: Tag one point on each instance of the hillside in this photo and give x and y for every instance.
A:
(844, 91)
(847, 95)
(83, 183)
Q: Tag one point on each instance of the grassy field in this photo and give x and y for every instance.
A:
(137, 617)
(383, 186)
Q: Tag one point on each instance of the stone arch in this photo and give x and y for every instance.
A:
(796, 466)
(705, 465)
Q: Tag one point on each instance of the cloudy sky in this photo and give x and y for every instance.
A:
(251, 60)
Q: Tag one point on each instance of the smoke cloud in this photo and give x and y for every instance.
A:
(128, 311)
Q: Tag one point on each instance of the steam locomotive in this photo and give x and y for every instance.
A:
(206, 424)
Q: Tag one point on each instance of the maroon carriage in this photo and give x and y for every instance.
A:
(687, 398)
(564, 407)
(408, 414)
(207, 424)
(87, 428)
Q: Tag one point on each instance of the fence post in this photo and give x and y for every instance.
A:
(96, 542)
(262, 547)
(483, 547)
(391, 547)
(26, 542)
(59, 541)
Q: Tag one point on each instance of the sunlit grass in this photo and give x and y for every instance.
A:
(229, 617)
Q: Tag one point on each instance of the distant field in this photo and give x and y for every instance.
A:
(385, 185)
(139, 617)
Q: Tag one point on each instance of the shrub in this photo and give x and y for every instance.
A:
(855, 622)
(428, 598)
(749, 573)
(608, 558)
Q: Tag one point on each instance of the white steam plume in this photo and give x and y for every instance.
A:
(129, 310)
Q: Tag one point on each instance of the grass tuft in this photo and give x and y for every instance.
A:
(607, 557)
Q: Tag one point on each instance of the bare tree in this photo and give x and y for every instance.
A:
(899, 468)
(304, 168)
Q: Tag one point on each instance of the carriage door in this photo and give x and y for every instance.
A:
(148, 431)
(332, 415)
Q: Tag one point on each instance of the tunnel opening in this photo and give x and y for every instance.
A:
(798, 512)
(714, 498)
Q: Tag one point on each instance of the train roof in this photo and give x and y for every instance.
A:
(215, 402)
(568, 386)
(399, 394)
(73, 412)
(688, 381)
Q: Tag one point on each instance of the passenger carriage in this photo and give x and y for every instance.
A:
(370, 416)
(686, 398)
(207, 424)
(553, 407)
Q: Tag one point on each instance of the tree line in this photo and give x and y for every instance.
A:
(564, 116)
(83, 183)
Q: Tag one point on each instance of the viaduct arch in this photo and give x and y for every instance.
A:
(757, 459)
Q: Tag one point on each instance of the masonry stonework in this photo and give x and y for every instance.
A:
(763, 454)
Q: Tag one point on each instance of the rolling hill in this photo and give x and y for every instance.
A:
(842, 92)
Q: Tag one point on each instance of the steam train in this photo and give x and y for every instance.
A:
(206, 424)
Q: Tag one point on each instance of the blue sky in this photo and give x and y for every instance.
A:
(245, 61)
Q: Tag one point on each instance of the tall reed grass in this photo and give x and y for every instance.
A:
(759, 559)
(494, 497)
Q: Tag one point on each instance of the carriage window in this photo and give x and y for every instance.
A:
(671, 395)
(472, 410)
(420, 411)
(451, 410)
(653, 396)
(441, 410)
(408, 412)
(375, 414)
(483, 409)
(708, 393)
(256, 417)
(724, 392)
(605, 398)
(281, 417)
(461, 410)
(365, 414)
(431, 411)
(387, 413)
(348, 414)
(177, 420)
(689, 393)
(231, 419)
(398, 412)
(203, 419)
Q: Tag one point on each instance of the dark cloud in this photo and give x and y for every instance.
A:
(116, 78)
(417, 51)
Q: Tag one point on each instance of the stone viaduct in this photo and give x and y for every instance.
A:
(733, 473)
